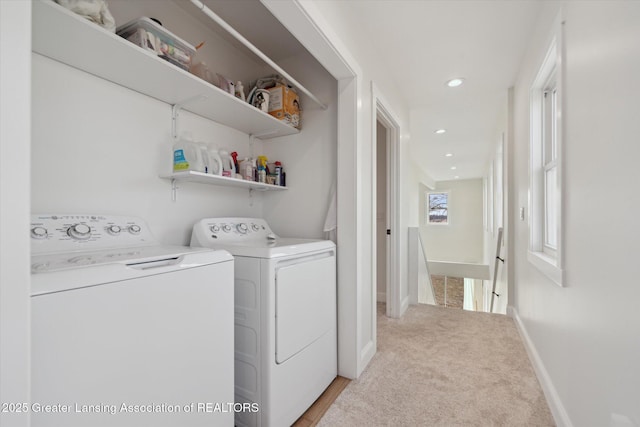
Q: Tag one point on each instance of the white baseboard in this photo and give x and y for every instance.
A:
(560, 415)
(381, 297)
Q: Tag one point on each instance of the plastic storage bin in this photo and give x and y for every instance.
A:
(155, 38)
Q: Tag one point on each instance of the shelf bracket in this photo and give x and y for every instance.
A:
(175, 112)
(174, 190)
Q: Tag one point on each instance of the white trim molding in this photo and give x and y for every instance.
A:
(397, 303)
(548, 261)
(558, 411)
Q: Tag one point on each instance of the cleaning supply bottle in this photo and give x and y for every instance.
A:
(247, 169)
(262, 168)
(239, 91)
(187, 155)
(215, 162)
(234, 156)
(228, 169)
(206, 159)
(278, 173)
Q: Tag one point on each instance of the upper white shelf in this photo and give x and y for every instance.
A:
(205, 178)
(66, 37)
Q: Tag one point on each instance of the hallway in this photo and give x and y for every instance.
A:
(442, 367)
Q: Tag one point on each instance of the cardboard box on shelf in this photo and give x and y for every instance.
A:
(284, 104)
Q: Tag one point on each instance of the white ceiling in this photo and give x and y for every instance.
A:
(427, 42)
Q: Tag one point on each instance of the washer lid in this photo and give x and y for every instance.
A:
(281, 246)
(70, 270)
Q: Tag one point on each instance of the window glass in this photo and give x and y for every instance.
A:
(551, 214)
(438, 208)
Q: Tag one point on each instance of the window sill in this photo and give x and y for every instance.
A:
(548, 266)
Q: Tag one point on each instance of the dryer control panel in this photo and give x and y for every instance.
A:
(51, 233)
(230, 230)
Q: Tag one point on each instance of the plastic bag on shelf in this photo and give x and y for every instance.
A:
(94, 10)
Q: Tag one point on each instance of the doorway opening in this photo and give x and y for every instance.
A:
(382, 207)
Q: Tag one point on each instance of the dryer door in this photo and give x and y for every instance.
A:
(305, 302)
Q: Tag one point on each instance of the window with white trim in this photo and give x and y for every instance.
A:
(545, 180)
(437, 209)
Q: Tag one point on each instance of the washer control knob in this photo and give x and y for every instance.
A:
(39, 232)
(255, 227)
(242, 228)
(214, 228)
(114, 230)
(134, 229)
(79, 231)
(226, 228)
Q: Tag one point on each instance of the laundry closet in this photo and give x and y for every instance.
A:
(102, 140)
(107, 197)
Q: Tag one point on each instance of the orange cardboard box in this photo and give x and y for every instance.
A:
(284, 105)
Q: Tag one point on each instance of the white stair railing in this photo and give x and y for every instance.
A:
(496, 263)
(420, 285)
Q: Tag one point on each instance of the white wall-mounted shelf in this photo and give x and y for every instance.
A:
(68, 38)
(205, 178)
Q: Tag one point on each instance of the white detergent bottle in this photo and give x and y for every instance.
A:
(215, 162)
(228, 168)
(246, 169)
(187, 155)
(206, 159)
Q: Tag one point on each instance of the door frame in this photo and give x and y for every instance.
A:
(15, 199)
(396, 302)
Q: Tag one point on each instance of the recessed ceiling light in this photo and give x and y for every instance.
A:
(440, 131)
(456, 177)
(449, 155)
(453, 168)
(455, 82)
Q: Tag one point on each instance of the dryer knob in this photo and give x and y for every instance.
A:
(114, 230)
(214, 228)
(242, 228)
(39, 232)
(79, 231)
(255, 227)
(226, 228)
(134, 229)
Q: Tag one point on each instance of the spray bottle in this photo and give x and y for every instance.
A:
(234, 156)
(262, 168)
(278, 172)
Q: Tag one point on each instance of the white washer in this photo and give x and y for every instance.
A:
(285, 317)
(126, 332)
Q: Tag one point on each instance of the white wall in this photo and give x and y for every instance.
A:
(309, 159)
(586, 334)
(462, 239)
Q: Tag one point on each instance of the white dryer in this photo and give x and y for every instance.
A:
(285, 317)
(127, 332)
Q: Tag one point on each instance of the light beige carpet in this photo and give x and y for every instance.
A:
(444, 367)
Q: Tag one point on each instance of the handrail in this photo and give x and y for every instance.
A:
(495, 268)
(211, 14)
